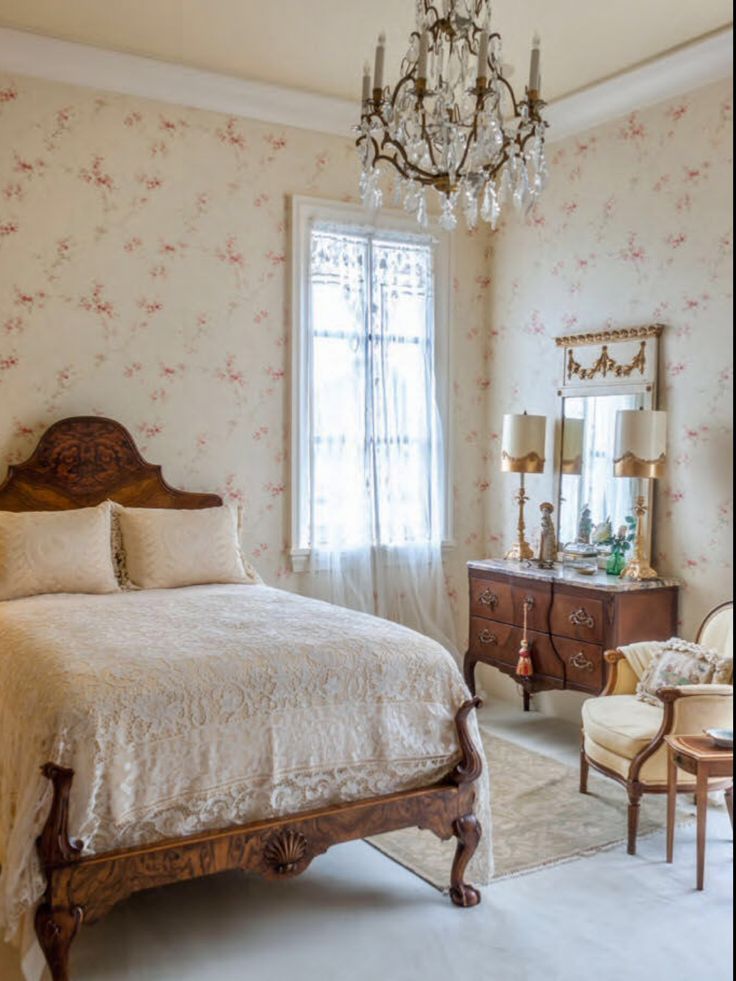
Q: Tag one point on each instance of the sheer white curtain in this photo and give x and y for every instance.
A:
(376, 460)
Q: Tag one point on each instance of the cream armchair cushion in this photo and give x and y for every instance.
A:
(616, 729)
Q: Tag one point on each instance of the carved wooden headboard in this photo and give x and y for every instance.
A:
(84, 460)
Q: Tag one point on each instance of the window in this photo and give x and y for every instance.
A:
(370, 392)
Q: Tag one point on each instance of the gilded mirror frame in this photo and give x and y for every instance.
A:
(607, 362)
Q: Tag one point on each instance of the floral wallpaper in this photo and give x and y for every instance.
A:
(634, 228)
(144, 252)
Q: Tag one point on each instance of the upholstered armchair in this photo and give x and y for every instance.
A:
(623, 737)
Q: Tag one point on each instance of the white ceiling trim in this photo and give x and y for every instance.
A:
(24, 53)
(673, 74)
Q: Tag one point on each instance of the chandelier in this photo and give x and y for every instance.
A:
(452, 121)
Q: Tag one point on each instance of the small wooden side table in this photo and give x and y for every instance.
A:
(713, 770)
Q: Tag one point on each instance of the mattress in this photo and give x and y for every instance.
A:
(187, 709)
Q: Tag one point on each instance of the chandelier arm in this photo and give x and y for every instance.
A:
(420, 171)
(510, 91)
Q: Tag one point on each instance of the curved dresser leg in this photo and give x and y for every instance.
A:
(56, 927)
(467, 831)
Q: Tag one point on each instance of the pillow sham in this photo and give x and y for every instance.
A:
(56, 552)
(679, 662)
(165, 548)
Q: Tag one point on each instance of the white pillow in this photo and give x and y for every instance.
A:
(165, 547)
(56, 552)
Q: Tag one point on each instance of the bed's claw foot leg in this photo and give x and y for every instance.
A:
(56, 927)
(467, 831)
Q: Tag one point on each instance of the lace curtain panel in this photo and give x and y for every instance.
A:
(376, 462)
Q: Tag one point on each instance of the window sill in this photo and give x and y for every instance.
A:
(300, 556)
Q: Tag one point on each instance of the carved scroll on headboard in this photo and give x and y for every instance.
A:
(84, 460)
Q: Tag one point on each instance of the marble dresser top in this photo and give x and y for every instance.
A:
(601, 580)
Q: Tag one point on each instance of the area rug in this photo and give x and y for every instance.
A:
(539, 817)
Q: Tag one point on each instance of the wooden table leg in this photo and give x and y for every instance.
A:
(701, 794)
(671, 802)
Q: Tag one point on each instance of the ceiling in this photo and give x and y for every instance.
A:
(320, 45)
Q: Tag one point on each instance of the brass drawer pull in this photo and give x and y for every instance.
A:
(486, 637)
(581, 618)
(489, 599)
(580, 661)
(529, 602)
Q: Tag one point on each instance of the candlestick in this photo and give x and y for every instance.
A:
(534, 64)
(483, 55)
(366, 82)
(378, 70)
(423, 51)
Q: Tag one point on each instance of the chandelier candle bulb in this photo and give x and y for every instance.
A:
(483, 55)
(366, 83)
(378, 70)
(534, 77)
(423, 51)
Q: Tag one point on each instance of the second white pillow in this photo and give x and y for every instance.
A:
(166, 548)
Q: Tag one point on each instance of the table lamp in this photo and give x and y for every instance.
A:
(522, 452)
(572, 446)
(640, 452)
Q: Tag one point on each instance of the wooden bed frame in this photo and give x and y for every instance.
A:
(80, 462)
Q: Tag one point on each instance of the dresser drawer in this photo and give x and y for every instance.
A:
(500, 642)
(583, 663)
(578, 617)
(538, 601)
(490, 598)
(489, 638)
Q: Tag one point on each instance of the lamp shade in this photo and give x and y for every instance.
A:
(641, 443)
(572, 446)
(522, 443)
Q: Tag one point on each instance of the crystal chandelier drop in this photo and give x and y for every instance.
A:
(452, 122)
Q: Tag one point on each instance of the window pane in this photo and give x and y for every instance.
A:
(373, 437)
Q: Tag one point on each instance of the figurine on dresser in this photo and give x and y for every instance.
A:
(547, 538)
(585, 525)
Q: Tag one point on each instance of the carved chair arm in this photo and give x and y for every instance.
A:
(690, 709)
(620, 677)
(671, 693)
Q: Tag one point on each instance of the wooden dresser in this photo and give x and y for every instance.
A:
(571, 621)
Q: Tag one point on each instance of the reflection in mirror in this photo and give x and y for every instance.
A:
(586, 467)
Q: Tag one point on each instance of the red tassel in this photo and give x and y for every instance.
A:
(524, 666)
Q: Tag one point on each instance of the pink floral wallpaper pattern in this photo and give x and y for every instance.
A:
(634, 228)
(144, 253)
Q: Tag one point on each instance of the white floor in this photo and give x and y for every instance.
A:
(357, 916)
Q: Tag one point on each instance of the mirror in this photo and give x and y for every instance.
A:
(586, 465)
(602, 373)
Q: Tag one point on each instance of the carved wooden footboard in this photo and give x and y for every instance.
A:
(80, 462)
(81, 889)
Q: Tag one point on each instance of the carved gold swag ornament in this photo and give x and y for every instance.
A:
(606, 364)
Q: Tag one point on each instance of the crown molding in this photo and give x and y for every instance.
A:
(23, 53)
(674, 73)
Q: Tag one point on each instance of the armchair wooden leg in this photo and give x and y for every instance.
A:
(584, 769)
(634, 806)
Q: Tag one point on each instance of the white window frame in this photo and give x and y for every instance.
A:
(304, 212)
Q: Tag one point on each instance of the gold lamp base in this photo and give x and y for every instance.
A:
(521, 550)
(638, 569)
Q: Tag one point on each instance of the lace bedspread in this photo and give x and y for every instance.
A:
(187, 709)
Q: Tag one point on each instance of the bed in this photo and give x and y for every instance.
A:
(209, 728)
